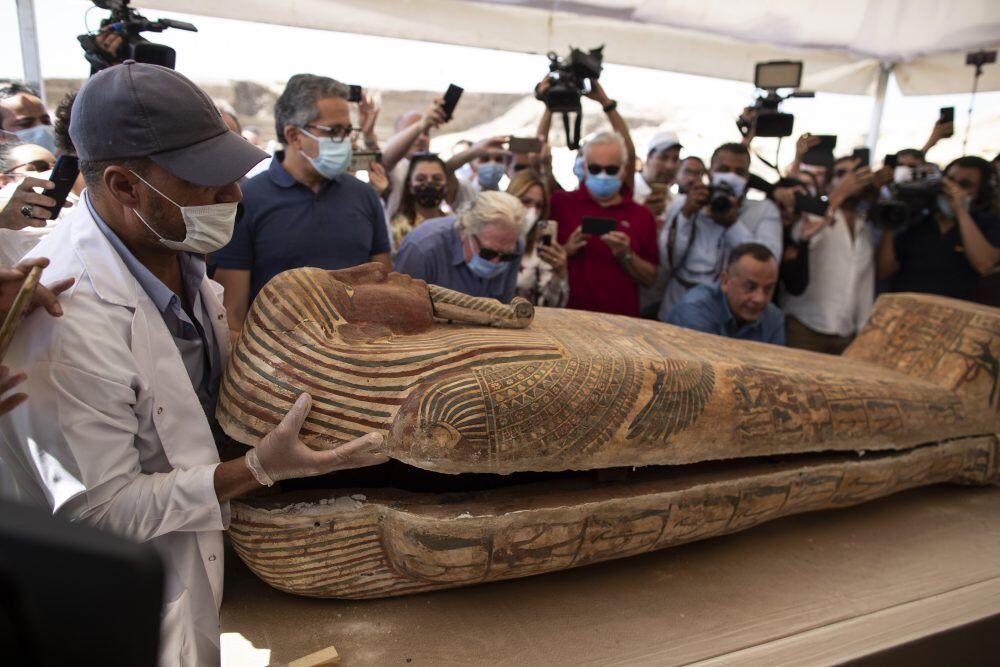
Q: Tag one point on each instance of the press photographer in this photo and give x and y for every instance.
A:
(706, 224)
(946, 244)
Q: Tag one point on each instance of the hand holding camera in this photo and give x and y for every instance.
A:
(804, 143)
(697, 199)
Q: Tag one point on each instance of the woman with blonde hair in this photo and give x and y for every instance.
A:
(542, 275)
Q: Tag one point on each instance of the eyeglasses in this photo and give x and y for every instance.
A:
(489, 254)
(34, 165)
(609, 169)
(337, 132)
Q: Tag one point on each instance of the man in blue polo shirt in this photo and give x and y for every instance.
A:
(305, 210)
(478, 253)
(739, 306)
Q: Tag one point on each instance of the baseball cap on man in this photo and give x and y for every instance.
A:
(137, 110)
(662, 141)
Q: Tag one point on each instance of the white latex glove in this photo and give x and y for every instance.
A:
(281, 455)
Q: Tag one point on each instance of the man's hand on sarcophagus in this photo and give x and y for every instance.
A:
(282, 455)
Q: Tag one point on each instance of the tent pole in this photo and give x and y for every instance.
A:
(884, 70)
(30, 58)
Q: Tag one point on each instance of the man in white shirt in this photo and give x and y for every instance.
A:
(704, 226)
(659, 171)
(841, 291)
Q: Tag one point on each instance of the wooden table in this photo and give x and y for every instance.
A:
(821, 587)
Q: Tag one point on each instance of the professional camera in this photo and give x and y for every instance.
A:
(569, 80)
(720, 198)
(129, 23)
(769, 77)
(911, 201)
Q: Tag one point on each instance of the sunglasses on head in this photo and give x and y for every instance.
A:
(609, 169)
(489, 254)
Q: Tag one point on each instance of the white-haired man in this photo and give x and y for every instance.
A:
(606, 271)
(477, 253)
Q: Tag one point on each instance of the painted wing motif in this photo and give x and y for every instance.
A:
(680, 392)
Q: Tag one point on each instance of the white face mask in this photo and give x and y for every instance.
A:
(208, 227)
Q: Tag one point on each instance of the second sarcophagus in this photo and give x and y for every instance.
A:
(530, 429)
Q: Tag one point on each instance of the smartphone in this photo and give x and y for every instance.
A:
(524, 145)
(354, 93)
(821, 153)
(546, 231)
(64, 175)
(947, 116)
(361, 160)
(891, 160)
(599, 226)
(806, 204)
(451, 97)
(863, 156)
(658, 188)
(17, 308)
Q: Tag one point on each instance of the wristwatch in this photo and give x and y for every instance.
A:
(626, 258)
(611, 106)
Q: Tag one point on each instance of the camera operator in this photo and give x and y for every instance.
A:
(949, 250)
(706, 224)
(692, 170)
(489, 161)
(839, 252)
(25, 116)
(605, 272)
(811, 167)
(477, 252)
(739, 305)
(659, 172)
(304, 210)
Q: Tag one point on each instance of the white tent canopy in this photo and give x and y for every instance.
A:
(844, 44)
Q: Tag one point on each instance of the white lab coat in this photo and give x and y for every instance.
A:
(113, 434)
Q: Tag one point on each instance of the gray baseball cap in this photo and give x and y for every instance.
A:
(139, 110)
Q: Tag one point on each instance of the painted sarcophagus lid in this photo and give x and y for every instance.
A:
(726, 433)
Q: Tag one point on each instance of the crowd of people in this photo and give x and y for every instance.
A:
(174, 202)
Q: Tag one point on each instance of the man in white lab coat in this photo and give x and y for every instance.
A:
(116, 430)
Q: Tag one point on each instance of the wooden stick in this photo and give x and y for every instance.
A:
(16, 312)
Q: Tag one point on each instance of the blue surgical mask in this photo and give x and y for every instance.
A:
(490, 175)
(944, 204)
(485, 269)
(579, 169)
(40, 135)
(334, 156)
(603, 185)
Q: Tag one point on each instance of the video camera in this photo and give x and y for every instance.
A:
(569, 80)
(911, 200)
(129, 23)
(769, 77)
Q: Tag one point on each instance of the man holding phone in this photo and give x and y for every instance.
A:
(607, 267)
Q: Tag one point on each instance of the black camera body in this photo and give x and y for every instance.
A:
(129, 24)
(569, 79)
(720, 198)
(768, 121)
(911, 202)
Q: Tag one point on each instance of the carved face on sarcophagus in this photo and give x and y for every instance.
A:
(524, 445)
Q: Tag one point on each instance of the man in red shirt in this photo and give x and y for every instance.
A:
(605, 271)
